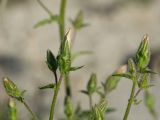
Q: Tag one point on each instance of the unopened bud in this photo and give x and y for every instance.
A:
(92, 83)
(64, 57)
(11, 89)
(68, 107)
(143, 53)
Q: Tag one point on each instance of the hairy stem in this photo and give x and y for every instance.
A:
(130, 101)
(55, 98)
(28, 108)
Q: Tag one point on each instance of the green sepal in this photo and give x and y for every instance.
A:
(132, 66)
(49, 86)
(147, 70)
(98, 111)
(51, 61)
(78, 22)
(144, 82)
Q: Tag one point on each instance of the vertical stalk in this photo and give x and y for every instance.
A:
(130, 101)
(67, 86)
(55, 98)
(62, 33)
(62, 19)
(28, 108)
(90, 101)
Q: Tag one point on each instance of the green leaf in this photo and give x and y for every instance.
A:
(12, 109)
(126, 75)
(147, 70)
(110, 110)
(46, 21)
(76, 68)
(80, 114)
(78, 22)
(100, 93)
(52, 86)
(11, 89)
(84, 92)
(137, 102)
(150, 103)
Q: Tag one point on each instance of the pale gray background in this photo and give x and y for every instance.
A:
(115, 31)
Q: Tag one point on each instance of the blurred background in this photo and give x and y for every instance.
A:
(115, 31)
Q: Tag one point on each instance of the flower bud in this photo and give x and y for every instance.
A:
(12, 109)
(92, 84)
(143, 53)
(11, 89)
(112, 81)
(64, 57)
(68, 107)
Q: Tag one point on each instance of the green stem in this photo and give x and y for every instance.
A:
(130, 101)
(90, 101)
(45, 8)
(55, 98)
(67, 86)
(28, 108)
(61, 32)
(62, 19)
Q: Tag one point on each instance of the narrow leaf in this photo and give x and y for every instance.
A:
(85, 92)
(150, 103)
(46, 21)
(52, 86)
(76, 68)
